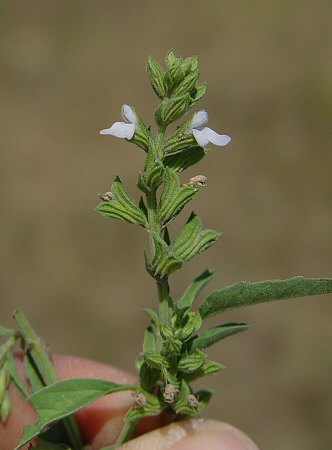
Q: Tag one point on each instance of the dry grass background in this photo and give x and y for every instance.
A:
(66, 68)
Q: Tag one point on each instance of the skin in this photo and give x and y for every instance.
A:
(100, 422)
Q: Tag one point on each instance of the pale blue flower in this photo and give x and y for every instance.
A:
(204, 135)
(124, 129)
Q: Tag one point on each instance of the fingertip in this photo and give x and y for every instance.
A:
(193, 434)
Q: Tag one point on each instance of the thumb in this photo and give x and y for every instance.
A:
(195, 434)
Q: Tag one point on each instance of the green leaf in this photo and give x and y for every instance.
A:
(215, 334)
(245, 293)
(192, 363)
(197, 94)
(6, 331)
(142, 137)
(153, 407)
(174, 198)
(5, 407)
(191, 240)
(15, 377)
(194, 322)
(156, 75)
(58, 400)
(156, 360)
(187, 84)
(184, 157)
(171, 109)
(182, 138)
(153, 316)
(149, 343)
(189, 64)
(181, 406)
(32, 373)
(194, 289)
(123, 207)
(164, 262)
(203, 396)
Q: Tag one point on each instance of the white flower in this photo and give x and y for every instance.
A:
(124, 129)
(204, 135)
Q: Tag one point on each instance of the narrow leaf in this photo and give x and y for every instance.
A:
(63, 398)
(194, 289)
(245, 293)
(215, 334)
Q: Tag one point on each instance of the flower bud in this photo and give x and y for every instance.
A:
(170, 393)
(139, 400)
(192, 401)
(198, 180)
(106, 197)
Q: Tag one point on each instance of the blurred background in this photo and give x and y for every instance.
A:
(66, 69)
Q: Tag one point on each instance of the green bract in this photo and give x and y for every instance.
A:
(173, 353)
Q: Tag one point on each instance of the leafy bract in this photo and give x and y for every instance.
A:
(215, 334)
(164, 262)
(58, 400)
(192, 240)
(245, 293)
(122, 207)
(174, 197)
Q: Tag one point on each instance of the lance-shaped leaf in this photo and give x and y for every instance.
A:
(122, 207)
(215, 334)
(190, 294)
(58, 400)
(171, 109)
(174, 198)
(245, 293)
(164, 262)
(191, 241)
(184, 158)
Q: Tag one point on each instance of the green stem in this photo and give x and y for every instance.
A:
(41, 359)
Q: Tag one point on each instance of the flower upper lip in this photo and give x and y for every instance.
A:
(204, 135)
(124, 129)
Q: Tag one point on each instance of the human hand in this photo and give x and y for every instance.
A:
(101, 422)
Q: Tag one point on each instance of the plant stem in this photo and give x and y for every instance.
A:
(41, 359)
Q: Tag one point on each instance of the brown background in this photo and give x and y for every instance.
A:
(66, 69)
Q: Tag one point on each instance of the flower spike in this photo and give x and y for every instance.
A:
(204, 135)
(126, 129)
